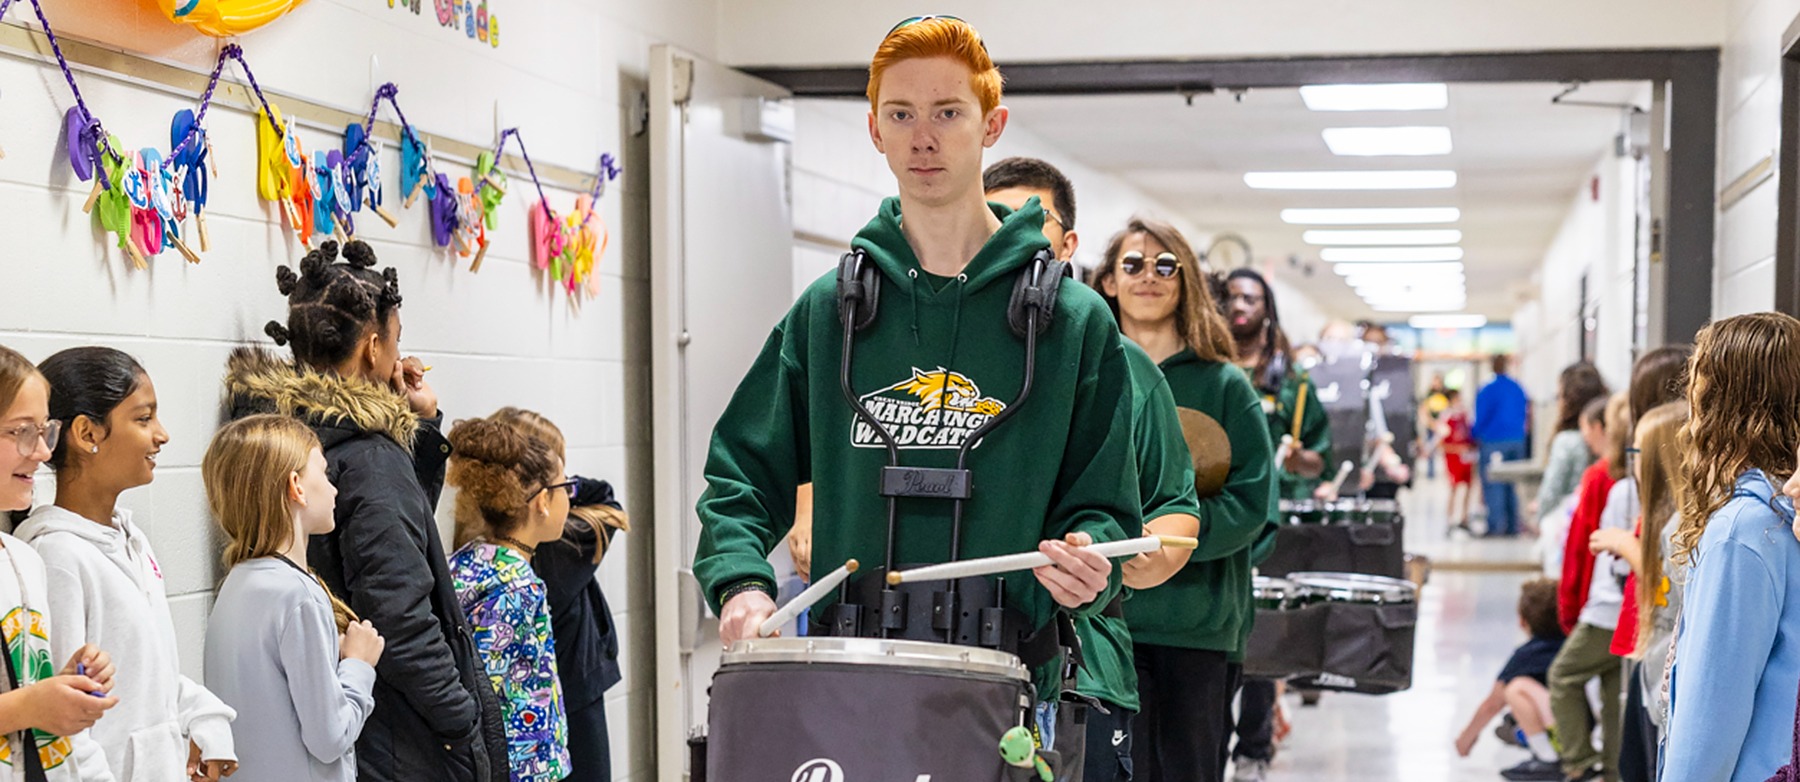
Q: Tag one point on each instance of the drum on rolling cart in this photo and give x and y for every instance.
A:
(852, 709)
(1287, 638)
(1368, 631)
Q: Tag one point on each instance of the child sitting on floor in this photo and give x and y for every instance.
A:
(1520, 688)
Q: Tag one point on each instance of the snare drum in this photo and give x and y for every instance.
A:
(1354, 588)
(1301, 512)
(1274, 594)
(1368, 631)
(1382, 512)
(863, 709)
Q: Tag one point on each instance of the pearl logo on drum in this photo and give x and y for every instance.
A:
(819, 770)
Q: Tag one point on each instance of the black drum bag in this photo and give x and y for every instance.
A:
(1369, 549)
(1287, 643)
(1368, 648)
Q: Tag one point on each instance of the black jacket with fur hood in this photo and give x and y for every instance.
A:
(436, 716)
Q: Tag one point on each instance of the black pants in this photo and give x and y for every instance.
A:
(590, 751)
(1256, 720)
(1638, 739)
(1183, 732)
(1108, 745)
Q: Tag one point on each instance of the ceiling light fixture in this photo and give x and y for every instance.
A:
(1381, 142)
(1351, 180)
(1375, 97)
(1390, 254)
(1458, 321)
(1422, 236)
(1381, 216)
(1406, 270)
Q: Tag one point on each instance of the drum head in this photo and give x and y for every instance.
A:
(1266, 588)
(1356, 587)
(876, 652)
(1210, 448)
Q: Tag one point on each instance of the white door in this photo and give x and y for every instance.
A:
(721, 277)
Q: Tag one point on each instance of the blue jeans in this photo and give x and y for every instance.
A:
(1502, 501)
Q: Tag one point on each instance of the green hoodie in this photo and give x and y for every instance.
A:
(936, 363)
(1166, 487)
(1206, 605)
(1312, 432)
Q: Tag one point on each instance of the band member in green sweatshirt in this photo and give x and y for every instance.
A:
(1188, 618)
(932, 356)
(1165, 481)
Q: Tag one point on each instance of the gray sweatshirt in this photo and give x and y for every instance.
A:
(272, 653)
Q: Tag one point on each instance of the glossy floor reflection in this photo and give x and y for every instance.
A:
(1468, 625)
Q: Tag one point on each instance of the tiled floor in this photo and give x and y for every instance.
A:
(1467, 627)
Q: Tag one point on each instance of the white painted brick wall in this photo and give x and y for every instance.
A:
(567, 72)
(1749, 129)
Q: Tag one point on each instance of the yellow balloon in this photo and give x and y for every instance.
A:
(226, 18)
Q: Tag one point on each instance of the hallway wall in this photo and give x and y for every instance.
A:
(1749, 131)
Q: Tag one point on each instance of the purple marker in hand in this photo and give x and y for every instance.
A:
(81, 670)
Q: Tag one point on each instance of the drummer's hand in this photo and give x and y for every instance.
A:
(799, 542)
(1327, 491)
(1075, 575)
(743, 616)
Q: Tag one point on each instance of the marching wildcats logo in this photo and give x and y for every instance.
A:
(933, 409)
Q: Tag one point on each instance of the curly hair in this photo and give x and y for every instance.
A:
(1579, 384)
(1744, 414)
(496, 468)
(332, 305)
(1197, 317)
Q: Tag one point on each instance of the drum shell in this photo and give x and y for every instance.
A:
(767, 721)
(1376, 549)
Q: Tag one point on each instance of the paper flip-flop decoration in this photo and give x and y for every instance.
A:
(446, 213)
(195, 160)
(226, 18)
(415, 170)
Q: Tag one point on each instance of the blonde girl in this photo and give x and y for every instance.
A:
(280, 648)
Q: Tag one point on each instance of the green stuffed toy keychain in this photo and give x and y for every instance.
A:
(1018, 749)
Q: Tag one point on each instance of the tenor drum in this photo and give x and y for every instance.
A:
(849, 709)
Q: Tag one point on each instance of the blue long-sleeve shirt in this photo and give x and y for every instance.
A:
(1737, 658)
(1500, 412)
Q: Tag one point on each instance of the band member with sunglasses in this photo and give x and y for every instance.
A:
(1165, 482)
(935, 360)
(1191, 616)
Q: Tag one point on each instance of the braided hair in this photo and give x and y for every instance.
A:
(331, 305)
(1271, 366)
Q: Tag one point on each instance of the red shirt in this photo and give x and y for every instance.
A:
(1578, 561)
(1624, 640)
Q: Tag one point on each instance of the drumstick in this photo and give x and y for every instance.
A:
(1287, 447)
(1007, 563)
(1343, 472)
(806, 599)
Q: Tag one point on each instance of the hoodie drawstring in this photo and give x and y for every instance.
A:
(912, 295)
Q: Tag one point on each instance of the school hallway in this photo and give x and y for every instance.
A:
(1468, 625)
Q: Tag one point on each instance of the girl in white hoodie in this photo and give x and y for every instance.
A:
(105, 585)
(44, 716)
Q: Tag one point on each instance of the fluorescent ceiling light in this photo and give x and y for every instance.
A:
(1412, 270)
(1396, 288)
(1388, 216)
(1389, 254)
(1449, 306)
(1447, 321)
(1375, 142)
(1438, 236)
(1351, 180)
(1375, 97)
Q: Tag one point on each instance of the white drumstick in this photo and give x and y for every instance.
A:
(988, 566)
(806, 599)
(1343, 472)
(1287, 447)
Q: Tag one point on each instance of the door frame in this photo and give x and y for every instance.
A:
(1692, 76)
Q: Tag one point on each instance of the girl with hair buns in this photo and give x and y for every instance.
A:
(106, 587)
(296, 663)
(511, 488)
(1737, 649)
(377, 422)
(44, 714)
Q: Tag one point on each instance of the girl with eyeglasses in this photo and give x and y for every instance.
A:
(1737, 648)
(106, 586)
(44, 713)
(297, 664)
(510, 486)
(1191, 616)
